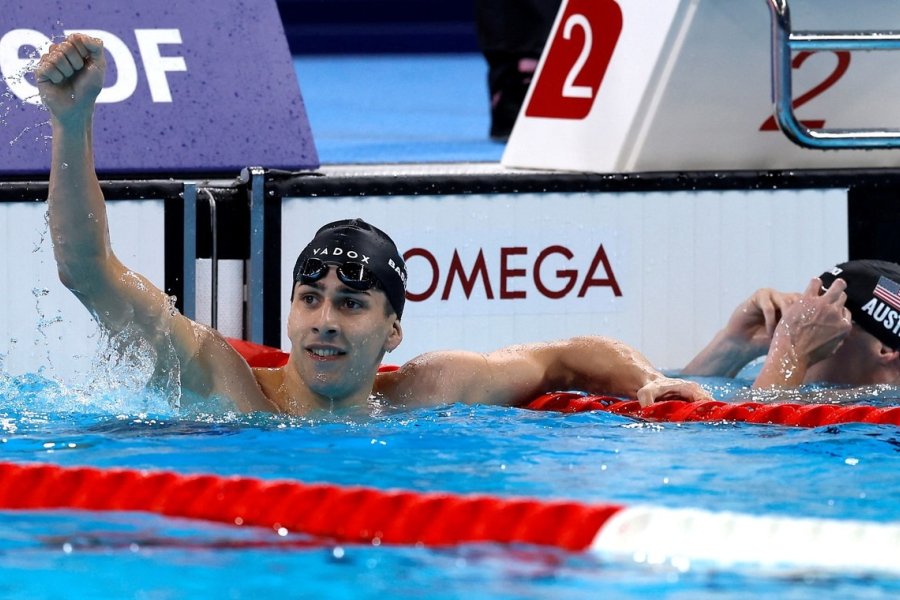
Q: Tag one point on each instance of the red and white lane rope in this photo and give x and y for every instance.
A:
(798, 415)
(364, 515)
(687, 536)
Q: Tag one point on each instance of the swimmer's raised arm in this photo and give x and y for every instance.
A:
(515, 375)
(746, 336)
(70, 76)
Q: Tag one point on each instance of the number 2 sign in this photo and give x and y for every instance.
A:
(577, 60)
(843, 63)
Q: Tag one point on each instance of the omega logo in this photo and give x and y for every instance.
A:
(548, 282)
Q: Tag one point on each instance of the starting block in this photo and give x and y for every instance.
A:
(635, 85)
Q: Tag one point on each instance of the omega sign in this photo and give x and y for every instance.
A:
(510, 273)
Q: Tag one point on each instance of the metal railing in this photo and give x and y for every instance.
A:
(784, 42)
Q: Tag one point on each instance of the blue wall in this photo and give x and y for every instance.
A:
(379, 26)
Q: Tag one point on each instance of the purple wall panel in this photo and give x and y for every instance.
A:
(223, 97)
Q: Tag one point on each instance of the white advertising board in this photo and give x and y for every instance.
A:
(42, 325)
(661, 271)
(635, 85)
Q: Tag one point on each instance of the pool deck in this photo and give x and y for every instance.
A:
(388, 109)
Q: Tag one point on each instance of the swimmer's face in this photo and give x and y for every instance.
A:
(853, 363)
(339, 336)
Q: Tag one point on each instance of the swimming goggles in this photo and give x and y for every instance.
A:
(352, 274)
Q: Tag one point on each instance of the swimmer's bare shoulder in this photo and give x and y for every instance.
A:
(405, 386)
(437, 378)
(215, 368)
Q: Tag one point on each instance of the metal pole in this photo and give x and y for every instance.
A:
(189, 243)
(255, 290)
(214, 260)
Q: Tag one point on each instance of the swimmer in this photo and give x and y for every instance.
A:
(346, 304)
(843, 329)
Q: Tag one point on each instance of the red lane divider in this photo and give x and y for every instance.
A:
(362, 515)
(346, 514)
(258, 355)
(799, 415)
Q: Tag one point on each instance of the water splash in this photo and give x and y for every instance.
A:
(170, 305)
(124, 378)
(129, 375)
(10, 100)
(42, 234)
(44, 322)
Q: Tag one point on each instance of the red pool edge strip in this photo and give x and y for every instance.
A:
(352, 514)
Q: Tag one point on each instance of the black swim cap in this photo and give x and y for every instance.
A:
(873, 296)
(354, 240)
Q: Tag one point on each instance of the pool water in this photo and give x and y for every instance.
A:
(839, 472)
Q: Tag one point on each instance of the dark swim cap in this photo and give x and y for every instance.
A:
(873, 296)
(354, 240)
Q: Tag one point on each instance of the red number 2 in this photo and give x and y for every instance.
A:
(577, 60)
(843, 63)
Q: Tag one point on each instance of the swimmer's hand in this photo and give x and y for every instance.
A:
(70, 76)
(754, 320)
(667, 388)
(818, 323)
(811, 330)
(747, 335)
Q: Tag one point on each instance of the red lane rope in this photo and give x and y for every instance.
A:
(346, 514)
(258, 355)
(363, 515)
(799, 415)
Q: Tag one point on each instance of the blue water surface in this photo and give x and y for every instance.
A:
(840, 472)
